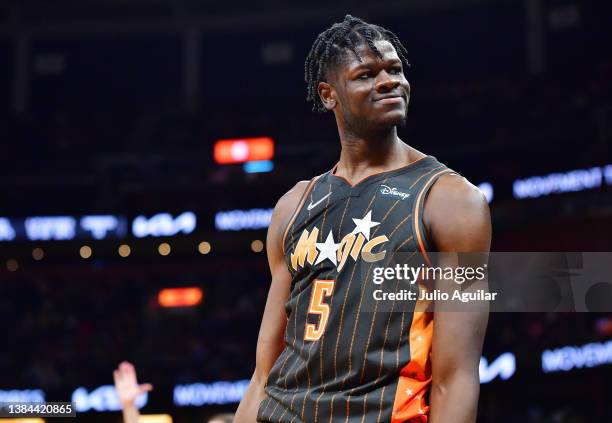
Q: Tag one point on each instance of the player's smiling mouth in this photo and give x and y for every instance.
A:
(389, 98)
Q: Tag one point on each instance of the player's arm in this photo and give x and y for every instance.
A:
(128, 390)
(458, 219)
(270, 342)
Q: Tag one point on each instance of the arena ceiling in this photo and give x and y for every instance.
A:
(15, 15)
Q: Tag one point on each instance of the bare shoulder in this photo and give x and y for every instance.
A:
(456, 191)
(457, 215)
(289, 201)
(293, 195)
(285, 207)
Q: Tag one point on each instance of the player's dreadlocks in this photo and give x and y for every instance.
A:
(331, 45)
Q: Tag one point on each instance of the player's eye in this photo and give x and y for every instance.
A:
(364, 75)
(396, 70)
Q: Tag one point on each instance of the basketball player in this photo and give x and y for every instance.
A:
(320, 358)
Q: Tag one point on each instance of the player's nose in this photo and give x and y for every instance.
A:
(386, 82)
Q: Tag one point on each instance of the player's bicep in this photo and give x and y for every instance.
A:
(457, 342)
(459, 222)
(270, 342)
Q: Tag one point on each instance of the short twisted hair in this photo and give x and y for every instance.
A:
(333, 43)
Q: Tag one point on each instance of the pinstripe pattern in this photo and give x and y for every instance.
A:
(351, 372)
(321, 234)
(374, 314)
(363, 367)
(341, 326)
(350, 361)
(305, 292)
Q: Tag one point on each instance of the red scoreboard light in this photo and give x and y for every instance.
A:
(180, 297)
(243, 150)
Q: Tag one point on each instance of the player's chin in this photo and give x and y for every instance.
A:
(392, 118)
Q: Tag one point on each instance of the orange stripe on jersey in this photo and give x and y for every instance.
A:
(415, 377)
(297, 210)
(417, 214)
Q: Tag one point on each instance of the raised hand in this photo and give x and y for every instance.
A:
(127, 385)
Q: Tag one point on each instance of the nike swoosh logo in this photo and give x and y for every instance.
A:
(313, 205)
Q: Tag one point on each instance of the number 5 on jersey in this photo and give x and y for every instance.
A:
(321, 288)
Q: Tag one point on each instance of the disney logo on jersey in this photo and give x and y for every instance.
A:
(387, 190)
(355, 244)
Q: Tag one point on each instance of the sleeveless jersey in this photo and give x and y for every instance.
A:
(341, 364)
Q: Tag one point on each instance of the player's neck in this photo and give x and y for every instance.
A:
(363, 155)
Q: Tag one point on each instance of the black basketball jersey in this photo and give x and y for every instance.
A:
(341, 364)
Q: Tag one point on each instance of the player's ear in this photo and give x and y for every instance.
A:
(327, 94)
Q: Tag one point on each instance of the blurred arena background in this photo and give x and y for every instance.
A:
(116, 190)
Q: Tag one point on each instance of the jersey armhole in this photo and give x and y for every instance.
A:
(421, 233)
(297, 210)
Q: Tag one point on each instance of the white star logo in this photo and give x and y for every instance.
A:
(364, 225)
(409, 392)
(327, 250)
